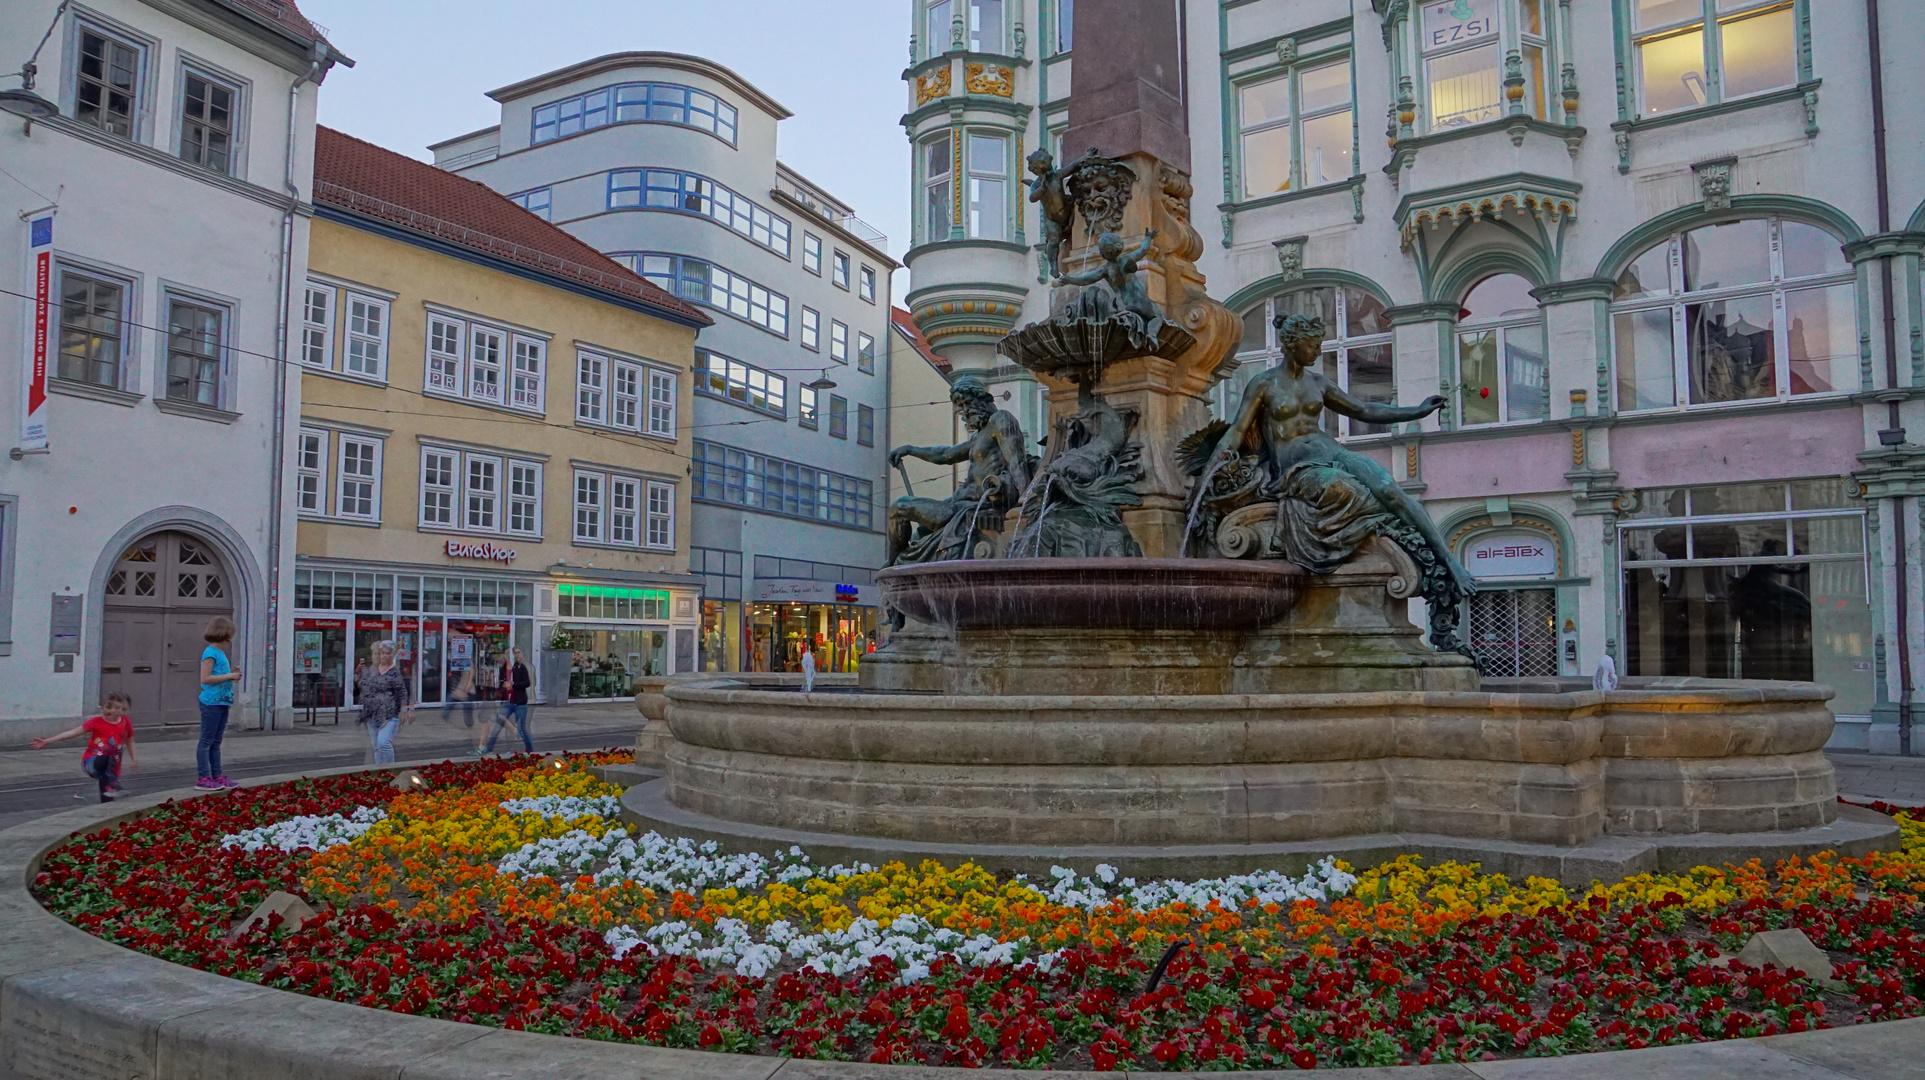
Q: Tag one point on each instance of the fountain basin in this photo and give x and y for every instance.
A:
(1107, 594)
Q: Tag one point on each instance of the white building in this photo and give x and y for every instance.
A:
(668, 163)
(174, 180)
(1661, 256)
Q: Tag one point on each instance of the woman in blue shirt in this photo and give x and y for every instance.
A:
(217, 696)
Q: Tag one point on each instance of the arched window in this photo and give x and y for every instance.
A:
(1747, 310)
(1502, 375)
(1356, 347)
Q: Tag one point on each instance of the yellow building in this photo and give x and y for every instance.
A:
(492, 452)
(919, 411)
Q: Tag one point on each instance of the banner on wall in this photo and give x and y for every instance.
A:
(33, 391)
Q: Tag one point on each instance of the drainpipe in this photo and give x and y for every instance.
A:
(277, 467)
(1895, 431)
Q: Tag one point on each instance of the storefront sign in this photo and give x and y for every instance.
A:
(799, 591)
(463, 549)
(1511, 554)
(320, 624)
(33, 389)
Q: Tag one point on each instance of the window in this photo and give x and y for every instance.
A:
(207, 123)
(106, 83)
(91, 333)
(482, 492)
(367, 346)
(988, 172)
(726, 377)
(865, 426)
(710, 285)
(692, 193)
(496, 367)
(982, 25)
(841, 270)
(838, 342)
(1700, 52)
(1356, 351)
(1287, 147)
(1747, 310)
(805, 408)
(1065, 24)
(194, 353)
(811, 329)
(865, 354)
(629, 103)
(317, 325)
(464, 490)
(812, 253)
(1463, 61)
(623, 511)
(838, 416)
(358, 478)
(724, 474)
(539, 202)
(310, 471)
(524, 498)
(613, 391)
(866, 284)
(936, 196)
(1501, 371)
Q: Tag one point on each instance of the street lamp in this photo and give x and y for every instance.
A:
(24, 102)
(821, 382)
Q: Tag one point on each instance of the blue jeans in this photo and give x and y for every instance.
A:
(381, 738)
(104, 768)
(207, 753)
(517, 713)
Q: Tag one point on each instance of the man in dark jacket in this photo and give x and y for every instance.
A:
(515, 681)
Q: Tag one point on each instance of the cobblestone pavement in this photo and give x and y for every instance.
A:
(1880, 776)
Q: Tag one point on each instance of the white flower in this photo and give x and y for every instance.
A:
(566, 807)
(309, 832)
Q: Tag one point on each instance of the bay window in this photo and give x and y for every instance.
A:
(1463, 44)
(1296, 129)
(1701, 52)
(1754, 309)
(982, 25)
(1501, 369)
(988, 184)
(936, 192)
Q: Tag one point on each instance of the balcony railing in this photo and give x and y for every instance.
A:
(836, 216)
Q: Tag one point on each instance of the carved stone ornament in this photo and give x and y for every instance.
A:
(1100, 187)
(1392, 13)
(1287, 51)
(932, 86)
(1714, 182)
(990, 79)
(1290, 257)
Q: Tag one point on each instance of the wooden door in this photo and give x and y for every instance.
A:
(160, 597)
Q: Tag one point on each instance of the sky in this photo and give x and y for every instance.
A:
(423, 69)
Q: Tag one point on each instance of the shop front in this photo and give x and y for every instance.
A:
(614, 635)
(1512, 622)
(452, 633)
(840, 620)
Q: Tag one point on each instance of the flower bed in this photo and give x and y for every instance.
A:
(507, 893)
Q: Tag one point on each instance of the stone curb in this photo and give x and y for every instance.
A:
(75, 1007)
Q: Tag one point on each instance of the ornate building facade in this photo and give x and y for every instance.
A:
(1661, 256)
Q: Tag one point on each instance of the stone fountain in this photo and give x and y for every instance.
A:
(1183, 646)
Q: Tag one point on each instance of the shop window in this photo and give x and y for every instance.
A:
(1747, 310)
(1357, 352)
(1502, 374)
(1514, 632)
(1691, 53)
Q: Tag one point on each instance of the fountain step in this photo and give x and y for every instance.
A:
(1857, 831)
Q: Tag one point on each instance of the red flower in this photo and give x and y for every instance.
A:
(1304, 1059)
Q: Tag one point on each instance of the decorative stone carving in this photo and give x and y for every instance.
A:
(1714, 182)
(932, 86)
(1100, 188)
(990, 79)
(1466, 209)
(1022, 40)
(1391, 13)
(1180, 238)
(1287, 51)
(999, 469)
(1074, 508)
(1290, 257)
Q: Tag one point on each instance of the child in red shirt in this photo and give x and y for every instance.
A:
(109, 735)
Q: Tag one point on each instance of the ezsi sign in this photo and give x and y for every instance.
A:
(1514, 554)
(462, 549)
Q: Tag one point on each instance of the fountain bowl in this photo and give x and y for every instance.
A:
(1107, 594)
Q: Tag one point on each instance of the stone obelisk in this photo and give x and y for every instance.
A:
(1128, 104)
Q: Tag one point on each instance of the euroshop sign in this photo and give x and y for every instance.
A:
(462, 549)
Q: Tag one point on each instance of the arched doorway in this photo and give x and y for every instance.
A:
(160, 595)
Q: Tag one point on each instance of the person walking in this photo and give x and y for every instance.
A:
(109, 735)
(515, 681)
(385, 701)
(808, 666)
(463, 695)
(218, 677)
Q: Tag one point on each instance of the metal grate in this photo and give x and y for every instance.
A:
(1514, 631)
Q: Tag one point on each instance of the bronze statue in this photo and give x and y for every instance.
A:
(1118, 272)
(1047, 191)
(999, 472)
(1074, 506)
(1331, 500)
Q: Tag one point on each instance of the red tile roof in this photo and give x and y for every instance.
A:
(367, 180)
(907, 326)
